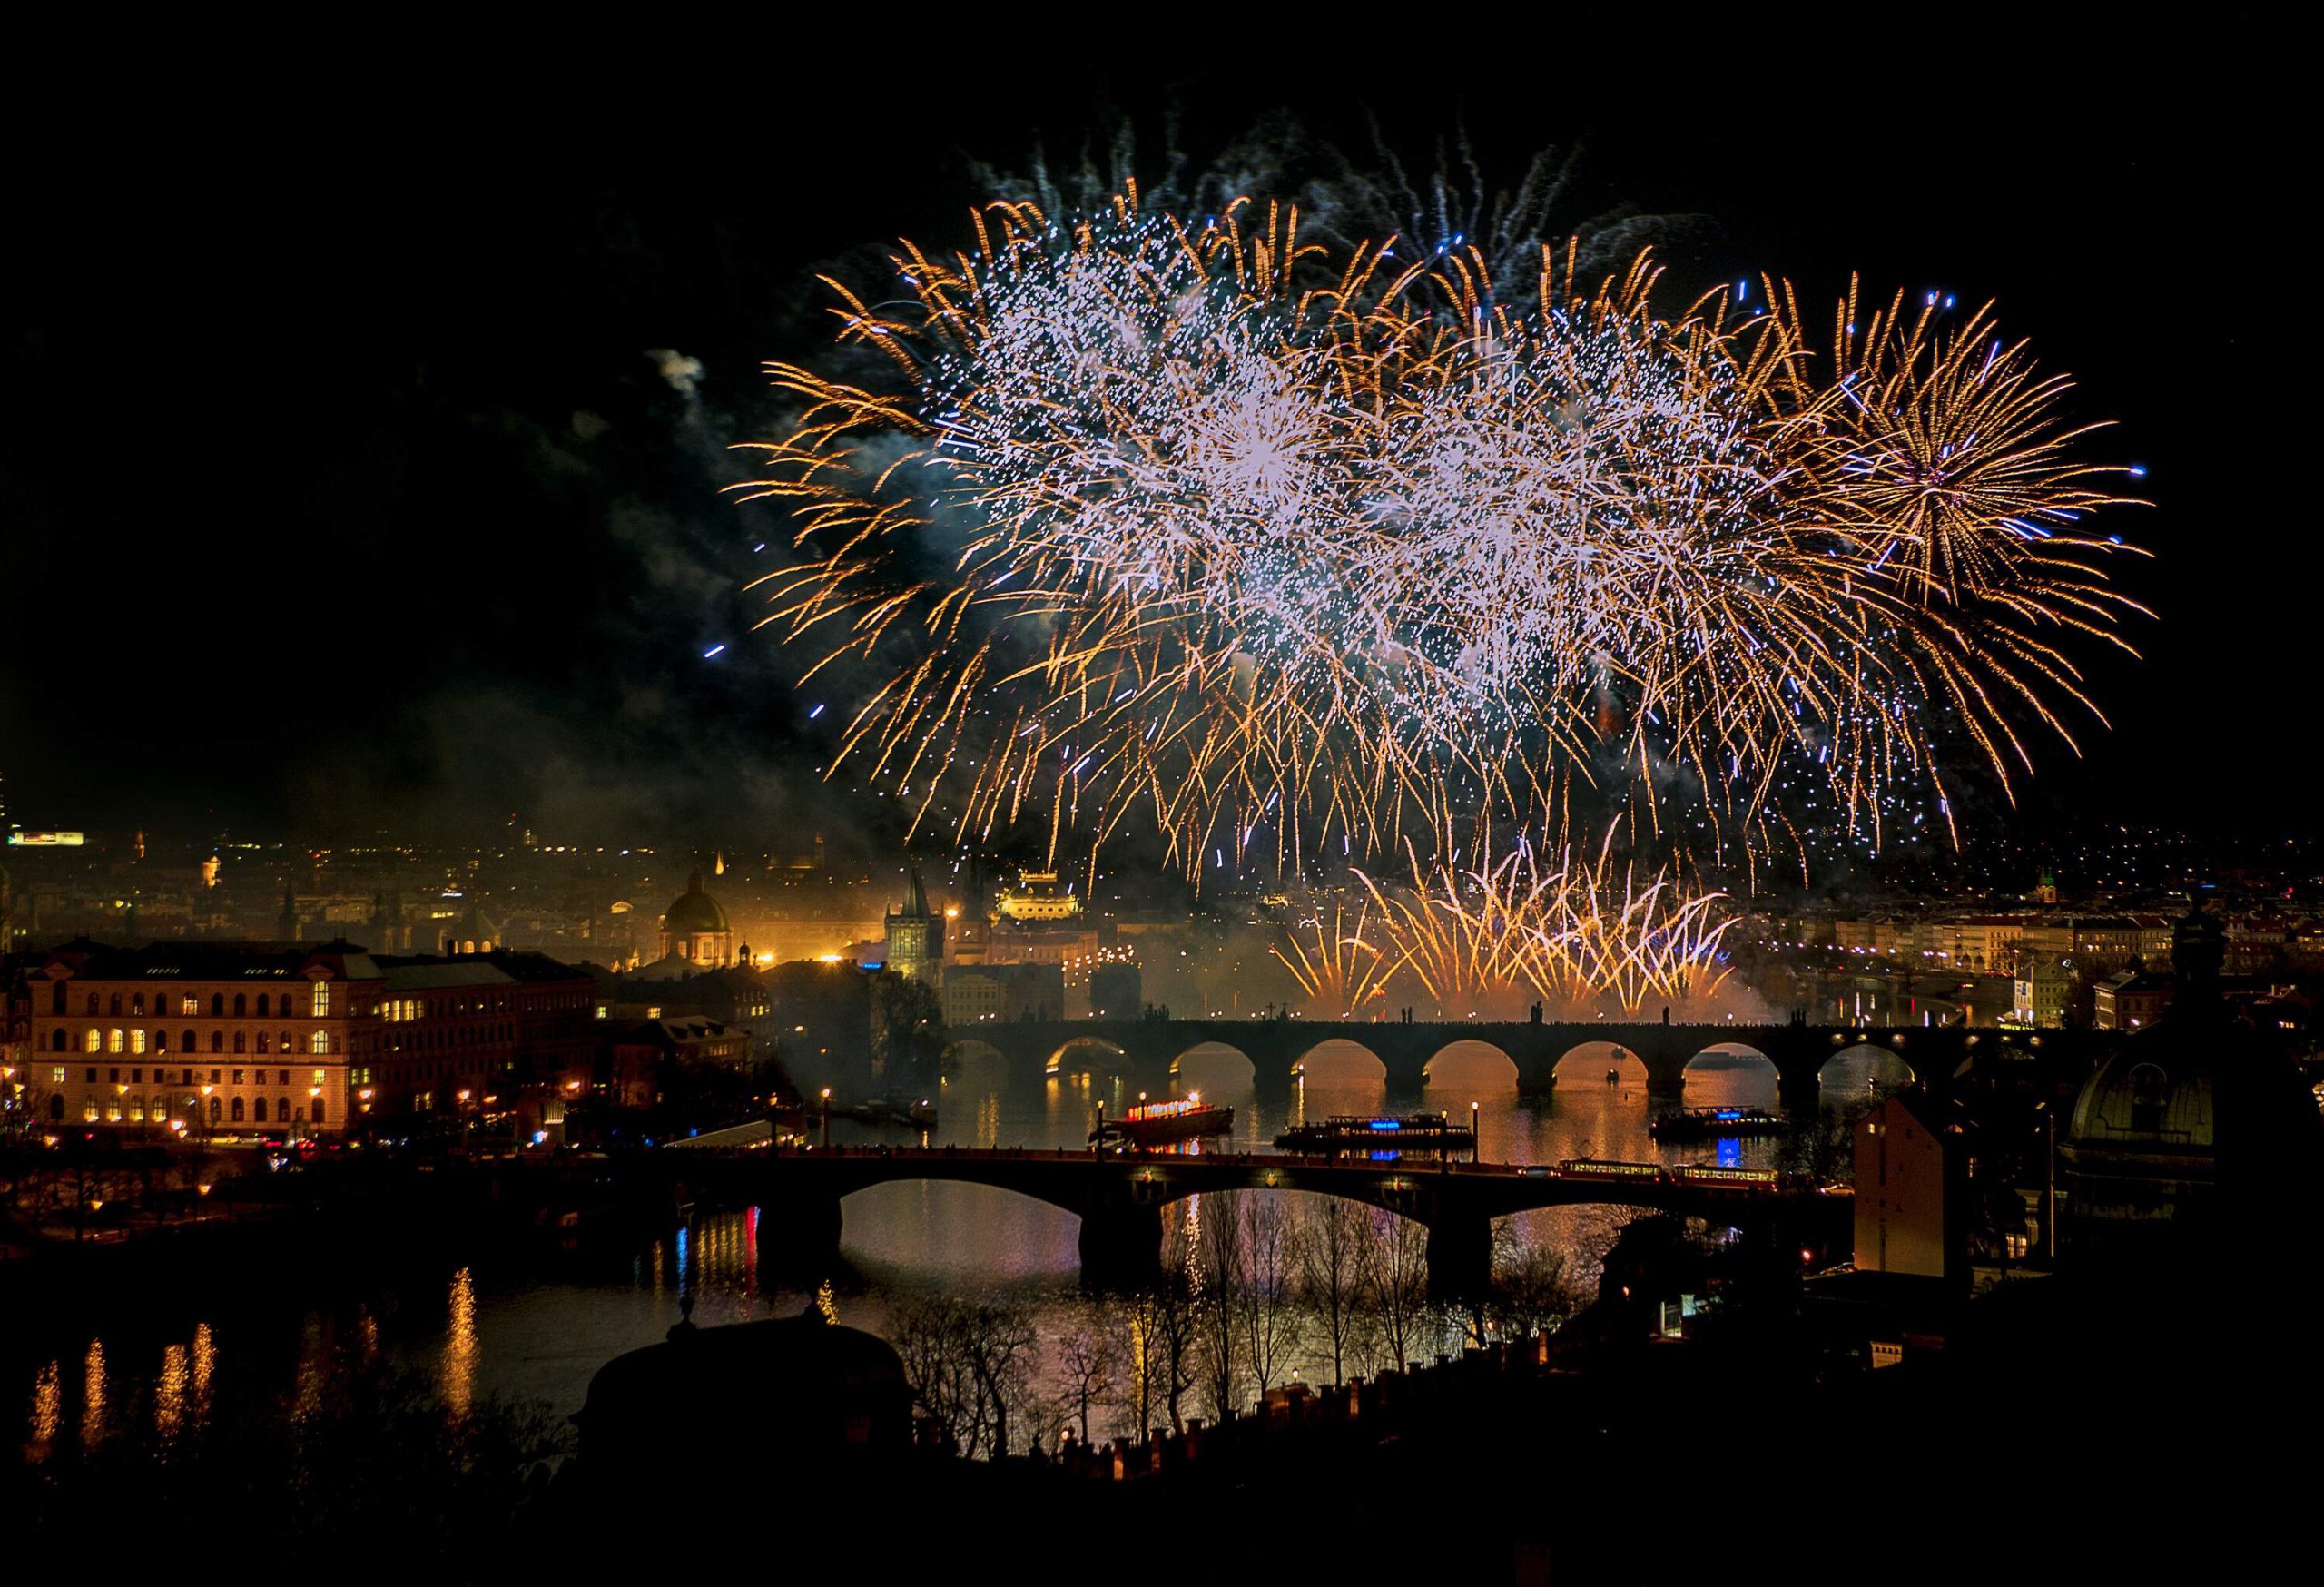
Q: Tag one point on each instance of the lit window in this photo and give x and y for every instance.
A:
(186, 1005)
(319, 1043)
(89, 1111)
(112, 1039)
(322, 999)
(56, 1075)
(319, 1077)
(137, 1040)
(93, 1041)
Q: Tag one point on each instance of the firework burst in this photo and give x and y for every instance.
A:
(1188, 523)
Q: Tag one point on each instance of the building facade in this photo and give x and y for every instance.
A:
(200, 1037)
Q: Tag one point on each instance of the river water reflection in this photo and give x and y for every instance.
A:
(508, 1326)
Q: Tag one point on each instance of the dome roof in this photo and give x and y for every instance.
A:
(2154, 1096)
(693, 912)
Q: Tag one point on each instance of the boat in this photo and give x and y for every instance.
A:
(1376, 1137)
(1145, 1124)
(1613, 1077)
(1715, 1124)
(894, 1112)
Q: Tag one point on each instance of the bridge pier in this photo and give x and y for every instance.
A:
(1666, 1075)
(1121, 1243)
(798, 1241)
(1460, 1255)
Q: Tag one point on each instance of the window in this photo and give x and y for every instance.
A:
(322, 1000)
(161, 1040)
(188, 1006)
(56, 998)
(242, 1005)
(241, 1042)
(137, 1077)
(315, 1109)
(56, 1041)
(89, 1111)
(319, 1043)
(189, 1044)
(112, 1077)
(238, 1077)
(137, 1110)
(94, 1041)
(215, 1106)
(234, 1110)
(261, 1005)
(137, 1003)
(283, 1043)
(2149, 1092)
(319, 1077)
(137, 1040)
(112, 1039)
(93, 1002)
(282, 1109)
(282, 1077)
(213, 1076)
(217, 1005)
(262, 1041)
(114, 1006)
(56, 1075)
(217, 1041)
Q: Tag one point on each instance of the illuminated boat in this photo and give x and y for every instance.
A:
(1715, 1124)
(1379, 1137)
(1163, 1123)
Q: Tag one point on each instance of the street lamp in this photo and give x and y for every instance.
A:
(1473, 1141)
(827, 1119)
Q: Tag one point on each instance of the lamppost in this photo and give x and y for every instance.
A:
(204, 1121)
(827, 1119)
(1097, 1140)
(1473, 1141)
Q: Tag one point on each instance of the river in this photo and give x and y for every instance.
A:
(495, 1324)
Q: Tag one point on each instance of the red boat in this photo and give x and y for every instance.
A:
(1162, 1123)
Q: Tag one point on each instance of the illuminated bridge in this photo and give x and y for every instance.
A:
(1147, 1051)
(1119, 1199)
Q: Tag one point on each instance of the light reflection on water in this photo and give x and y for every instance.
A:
(542, 1335)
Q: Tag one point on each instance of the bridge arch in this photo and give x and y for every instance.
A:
(1859, 1066)
(1077, 1053)
(1216, 1066)
(1731, 1074)
(1340, 1060)
(945, 1225)
(1587, 1063)
(1484, 1068)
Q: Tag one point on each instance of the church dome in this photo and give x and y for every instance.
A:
(693, 912)
(2154, 1096)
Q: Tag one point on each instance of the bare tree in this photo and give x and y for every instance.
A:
(1090, 1362)
(970, 1361)
(1532, 1291)
(1222, 1279)
(1395, 1284)
(1268, 1321)
(1331, 1277)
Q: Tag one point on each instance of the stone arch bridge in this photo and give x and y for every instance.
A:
(1147, 1051)
(1120, 1199)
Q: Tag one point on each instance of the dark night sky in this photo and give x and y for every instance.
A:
(302, 533)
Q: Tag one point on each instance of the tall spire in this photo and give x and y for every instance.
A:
(916, 900)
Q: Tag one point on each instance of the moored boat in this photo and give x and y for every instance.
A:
(1164, 1123)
